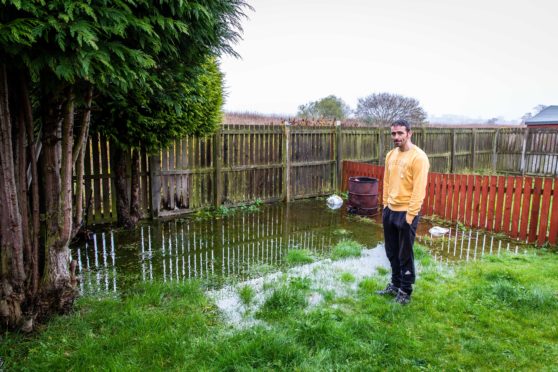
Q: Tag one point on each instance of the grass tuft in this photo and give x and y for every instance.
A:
(346, 249)
(299, 256)
(246, 294)
(282, 301)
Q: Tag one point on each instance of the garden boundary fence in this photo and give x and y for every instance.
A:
(240, 164)
(522, 207)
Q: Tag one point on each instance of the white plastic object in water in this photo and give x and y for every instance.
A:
(334, 202)
(438, 231)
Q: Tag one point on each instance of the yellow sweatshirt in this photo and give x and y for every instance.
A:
(405, 178)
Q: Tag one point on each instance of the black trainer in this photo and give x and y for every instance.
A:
(403, 298)
(390, 290)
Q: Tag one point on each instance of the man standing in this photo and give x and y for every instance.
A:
(405, 177)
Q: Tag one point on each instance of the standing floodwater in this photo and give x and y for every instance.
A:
(243, 245)
(237, 246)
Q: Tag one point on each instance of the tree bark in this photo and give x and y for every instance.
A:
(78, 154)
(35, 212)
(58, 286)
(121, 159)
(135, 212)
(12, 271)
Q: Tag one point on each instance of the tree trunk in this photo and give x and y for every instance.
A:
(121, 160)
(58, 286)
(78, 152)
(135, 212)
(35, 212)
(12, 271)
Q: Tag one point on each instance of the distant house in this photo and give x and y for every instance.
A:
(547, 118)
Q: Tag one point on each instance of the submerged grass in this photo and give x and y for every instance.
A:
(346, 249)
(498, 313)
(299, 256)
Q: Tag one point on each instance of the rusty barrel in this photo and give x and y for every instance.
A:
(363, 195)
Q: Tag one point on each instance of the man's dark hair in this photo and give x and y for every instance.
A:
(402, 123)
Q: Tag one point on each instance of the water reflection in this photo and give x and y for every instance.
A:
(461, 244)
(246, 245)
(239, 246)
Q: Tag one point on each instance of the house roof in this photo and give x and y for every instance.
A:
(547, 116)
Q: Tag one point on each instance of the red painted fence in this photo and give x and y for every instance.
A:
(525, 208)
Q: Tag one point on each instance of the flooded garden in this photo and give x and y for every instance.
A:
(240, 244)
(292, 286)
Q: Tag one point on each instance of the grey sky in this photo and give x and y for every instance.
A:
(479, 58)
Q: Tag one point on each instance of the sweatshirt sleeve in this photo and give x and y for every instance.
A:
(420, 168)
(386, 182)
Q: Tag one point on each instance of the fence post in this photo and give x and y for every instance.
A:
(218, 166)
(524, 151)
(155, 184)
(380, 145)
(452, 157)
(338, 156)
(286, 163)
(474, 150)
(495, 150)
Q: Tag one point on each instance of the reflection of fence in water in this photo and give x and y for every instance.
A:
(96, 275)
(180, 249)
(463, 244)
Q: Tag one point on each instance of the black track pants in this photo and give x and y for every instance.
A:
(399, 238)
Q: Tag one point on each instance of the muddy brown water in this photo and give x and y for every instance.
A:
(246, 244)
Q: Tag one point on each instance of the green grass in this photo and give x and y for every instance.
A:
(496, 314)
(246, 294)
(299, 256)
(346, 249)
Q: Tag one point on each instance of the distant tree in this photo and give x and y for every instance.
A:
(384, 108)
(330, 107)
(492, 121)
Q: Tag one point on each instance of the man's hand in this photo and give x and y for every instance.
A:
(409, 218)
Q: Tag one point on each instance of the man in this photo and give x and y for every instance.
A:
(405, 177)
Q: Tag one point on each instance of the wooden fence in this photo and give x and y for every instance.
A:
(243, 163)
(525, 208)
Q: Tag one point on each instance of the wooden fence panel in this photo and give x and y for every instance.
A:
(508, 201)
(553, 231)
(541, 157)
(535, 210)
(476, 201)
(463, 149)
(361, 144)
(469, 209)
(509, 149)
(500, 202)
(484, 201)
(525, 207)
(438, 146)
(517, 207)
(545, 210)
(484, 148)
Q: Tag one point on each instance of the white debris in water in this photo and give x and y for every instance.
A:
(334, 202)
(438, 231)
(324, 276)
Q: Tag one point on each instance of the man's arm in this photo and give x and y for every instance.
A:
(386, 183)
(420, 168)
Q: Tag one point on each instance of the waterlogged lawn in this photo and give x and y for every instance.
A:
(496, 313)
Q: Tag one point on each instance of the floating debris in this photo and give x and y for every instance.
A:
(334, 202)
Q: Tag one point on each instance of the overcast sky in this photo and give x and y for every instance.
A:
(477, 58)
